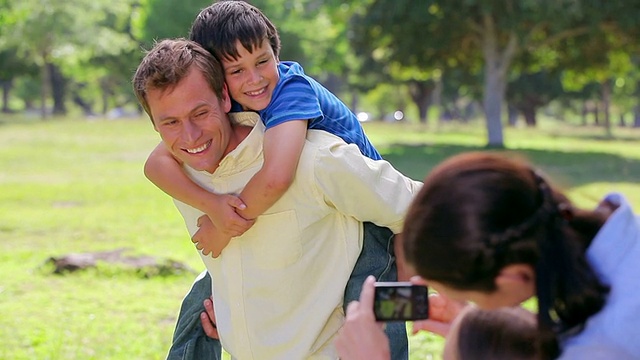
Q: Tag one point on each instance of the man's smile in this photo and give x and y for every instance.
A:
(199, 149)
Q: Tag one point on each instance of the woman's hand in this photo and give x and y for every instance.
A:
(442, 312)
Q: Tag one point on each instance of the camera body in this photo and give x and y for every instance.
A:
(400, 301)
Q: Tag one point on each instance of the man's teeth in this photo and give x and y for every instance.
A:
(199, 149)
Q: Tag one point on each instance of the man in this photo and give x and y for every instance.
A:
(278, 288)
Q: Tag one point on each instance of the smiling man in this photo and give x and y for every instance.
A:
(278, 289)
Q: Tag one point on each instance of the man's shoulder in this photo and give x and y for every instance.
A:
(321, 138)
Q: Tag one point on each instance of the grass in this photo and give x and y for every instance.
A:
(77, 186)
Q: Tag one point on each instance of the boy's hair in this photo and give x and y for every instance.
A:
(502, 334)
(221, 25)
(170, 61)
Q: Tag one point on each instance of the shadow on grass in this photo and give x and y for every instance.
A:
(567, 168)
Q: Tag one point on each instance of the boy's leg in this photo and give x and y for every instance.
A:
(189, 340)
(377, 259)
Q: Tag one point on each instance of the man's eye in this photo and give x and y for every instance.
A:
(201, 114)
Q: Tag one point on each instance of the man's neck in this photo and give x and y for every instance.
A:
(238, 134)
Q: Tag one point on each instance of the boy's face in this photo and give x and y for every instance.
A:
(192, 121)
(252, 78)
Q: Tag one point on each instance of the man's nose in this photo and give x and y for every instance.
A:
(191, 131)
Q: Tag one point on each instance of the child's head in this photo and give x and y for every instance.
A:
(220, 26)
(502, 334)
(246, 43)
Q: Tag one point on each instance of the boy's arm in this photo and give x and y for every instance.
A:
(164, 170)
(282, 147)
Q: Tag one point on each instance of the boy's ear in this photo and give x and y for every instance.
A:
(517, 278)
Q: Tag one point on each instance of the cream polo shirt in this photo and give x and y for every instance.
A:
(278, 288)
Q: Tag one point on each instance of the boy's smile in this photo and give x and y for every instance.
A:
(252, 77)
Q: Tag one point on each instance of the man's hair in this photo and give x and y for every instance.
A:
(221, 25)
(170, 61)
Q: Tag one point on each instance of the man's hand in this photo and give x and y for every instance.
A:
(208, 320)
(208, 239)
(442, 312)
(361, 337)
(225, 218)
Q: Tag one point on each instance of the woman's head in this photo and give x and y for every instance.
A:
(460, 229)
(488, 225)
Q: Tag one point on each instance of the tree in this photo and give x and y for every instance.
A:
(62, 37)
(479, 35)
(530, 91)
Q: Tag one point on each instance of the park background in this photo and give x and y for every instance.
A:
(556, 82)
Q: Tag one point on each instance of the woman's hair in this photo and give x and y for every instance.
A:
(502, 334)
(221, 25)
(478, 212)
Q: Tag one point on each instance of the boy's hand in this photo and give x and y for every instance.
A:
(225, 218)
(208, 238)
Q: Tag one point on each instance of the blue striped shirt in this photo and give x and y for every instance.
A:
(299, 97)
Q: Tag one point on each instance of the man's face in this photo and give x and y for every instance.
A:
(253, 76)
(192, 121)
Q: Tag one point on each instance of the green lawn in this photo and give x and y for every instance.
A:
(77, 186)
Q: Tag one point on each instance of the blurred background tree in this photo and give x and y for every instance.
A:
(430, 59)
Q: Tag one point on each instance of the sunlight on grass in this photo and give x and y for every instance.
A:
(77, 186)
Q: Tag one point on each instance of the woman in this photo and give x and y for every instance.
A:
(491, 230)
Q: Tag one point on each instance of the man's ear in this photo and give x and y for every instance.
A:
(517, 279)
(226, 99)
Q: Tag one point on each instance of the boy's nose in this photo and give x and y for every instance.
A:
(255, 76)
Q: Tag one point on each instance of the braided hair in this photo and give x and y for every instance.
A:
(479, 212)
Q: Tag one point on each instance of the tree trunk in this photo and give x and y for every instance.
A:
(44, 88)
(636, 116)
(496, 65)
(6, 89)
(529, 113)
(420, 94)
(606, 101)
(512, 115)
(58, 87)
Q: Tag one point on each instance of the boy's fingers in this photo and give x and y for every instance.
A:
(236, 202)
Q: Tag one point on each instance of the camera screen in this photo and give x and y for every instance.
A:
(400, 302)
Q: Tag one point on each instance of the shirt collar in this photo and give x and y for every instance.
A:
(249, 150)
(615, 239)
